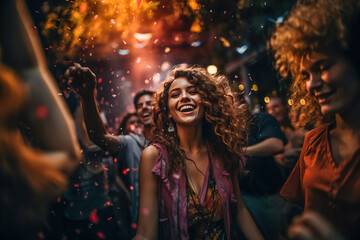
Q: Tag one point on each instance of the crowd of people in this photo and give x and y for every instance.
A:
(193, 161)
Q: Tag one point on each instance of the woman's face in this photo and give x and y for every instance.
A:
(184, 102)
(333, 81)
(132, 124)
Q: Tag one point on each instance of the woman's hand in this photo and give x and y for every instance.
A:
(81, 79)
(312, 226)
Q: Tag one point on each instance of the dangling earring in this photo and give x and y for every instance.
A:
(171, 127)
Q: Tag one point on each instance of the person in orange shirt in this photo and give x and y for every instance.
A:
(318, 44)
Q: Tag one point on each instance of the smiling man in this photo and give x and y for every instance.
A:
(125, 148)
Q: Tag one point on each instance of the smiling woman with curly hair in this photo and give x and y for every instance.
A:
(188, 186)
(313, 26)
(318, 44)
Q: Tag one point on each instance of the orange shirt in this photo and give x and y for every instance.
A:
(317, 183)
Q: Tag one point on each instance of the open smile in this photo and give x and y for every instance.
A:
(186, 109)
(323, 98)
(146, 116)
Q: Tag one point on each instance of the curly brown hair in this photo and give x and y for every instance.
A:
(324, 26)
(223, 124)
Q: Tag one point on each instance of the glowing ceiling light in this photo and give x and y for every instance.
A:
(280, 19)
(212, 69)
(156, 78)
(196, 44)
(123, 51)
(241, 87)
(242, 49)
(165, 66)
(143, 36)
(255, 87)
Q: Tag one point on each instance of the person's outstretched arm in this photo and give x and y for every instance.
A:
(45, 112)
(267, 147)
(148, 206)
(83, 81)
(243, 218)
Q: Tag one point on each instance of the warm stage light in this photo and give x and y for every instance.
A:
(212, 69)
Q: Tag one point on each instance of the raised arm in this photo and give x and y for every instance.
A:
(268, 147)
(45, 113)
(148, 207)
(83, 81)
(243, 218)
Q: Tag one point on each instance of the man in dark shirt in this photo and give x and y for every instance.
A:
(261, 182)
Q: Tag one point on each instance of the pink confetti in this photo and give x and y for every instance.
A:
(133, 225)
(132, 127)
(145, 211)
(126, 171)
(115, 160)
(41, 112)
(93, 217)
(131, 188)
(101, 235)
(99, 80)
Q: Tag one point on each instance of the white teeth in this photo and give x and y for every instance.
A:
(146, 115)
(187, 107)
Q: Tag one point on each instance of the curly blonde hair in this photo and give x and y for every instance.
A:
(323, 26)
(223, 123)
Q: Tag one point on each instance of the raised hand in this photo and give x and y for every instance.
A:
(81, 79)
(312, 226)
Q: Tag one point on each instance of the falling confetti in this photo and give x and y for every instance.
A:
(93, 217)
(138, 3)
(42, 112)
(101, 235)
(145, 211)
(225, 42)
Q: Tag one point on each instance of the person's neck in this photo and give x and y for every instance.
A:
(190, 138)
(148, 133)
(348, 121)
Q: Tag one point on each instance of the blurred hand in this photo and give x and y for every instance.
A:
(312, 226)
(81, 79)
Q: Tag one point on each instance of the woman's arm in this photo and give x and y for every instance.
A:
(148, 207)
(243, 218)
(83, 81)
(45, 112)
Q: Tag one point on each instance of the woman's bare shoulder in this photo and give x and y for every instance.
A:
(149, 154)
